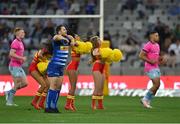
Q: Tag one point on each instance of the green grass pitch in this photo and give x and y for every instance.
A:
(118, 110)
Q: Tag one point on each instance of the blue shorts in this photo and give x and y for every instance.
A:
(55, 70)
(154, 73)
(17, 71)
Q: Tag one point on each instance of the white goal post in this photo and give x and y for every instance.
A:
(99, 16)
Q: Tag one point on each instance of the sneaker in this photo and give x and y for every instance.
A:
(50, 110)
(56, 110)
(146, 103)
(11, 104)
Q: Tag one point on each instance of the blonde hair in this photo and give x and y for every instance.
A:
(94, 41)
(17, 29)
(95, 44)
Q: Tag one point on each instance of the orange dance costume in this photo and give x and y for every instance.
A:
(74, 63)
(40, 97)
(37, 59)
(98, 65)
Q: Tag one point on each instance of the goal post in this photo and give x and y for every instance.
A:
(99, 16)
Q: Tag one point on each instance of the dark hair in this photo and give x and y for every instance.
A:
(152, 32)
(58, 28)
(172, 53)
(48, 46)
(74, 35)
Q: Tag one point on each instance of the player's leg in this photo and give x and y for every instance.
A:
(40, 80)
(151, 93)
(53, 73)
(72, 74)
(57, 87)
(20, 81)
(44, 93)
(155, 77)
(156, 85)
(10, 94)
(53, 94)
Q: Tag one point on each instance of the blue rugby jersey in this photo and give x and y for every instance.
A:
(60, 52)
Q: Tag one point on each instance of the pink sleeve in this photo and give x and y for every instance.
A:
(14, 45)
(146, 48)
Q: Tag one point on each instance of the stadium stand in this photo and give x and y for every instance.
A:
(126, 25)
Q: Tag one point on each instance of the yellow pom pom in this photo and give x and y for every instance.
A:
(109, 61)
(88, 47)
(81, 48)
(75, 48)
(117, 55)
(105, 52)
(42, 67)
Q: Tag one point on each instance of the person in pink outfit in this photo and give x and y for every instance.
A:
(15, 66)
(151, 55)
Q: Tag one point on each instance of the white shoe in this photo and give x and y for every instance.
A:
(146, 103)
(11, 104)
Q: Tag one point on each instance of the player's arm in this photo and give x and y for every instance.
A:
(41, 54)
(13, 54)
(73, 43)
(143, 56)
(71, 38)
(57, 37)
(162, 59)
